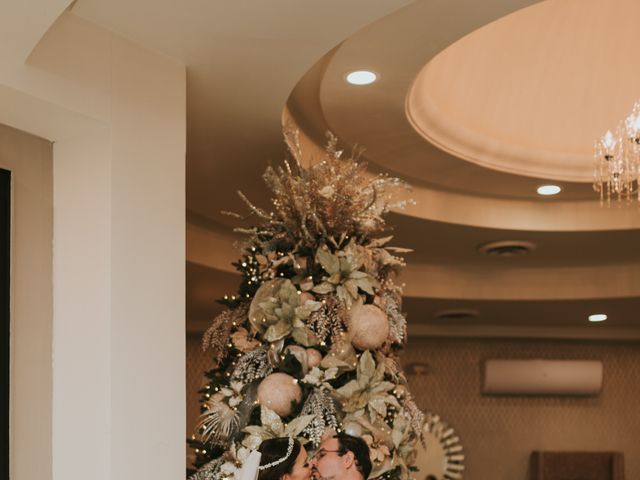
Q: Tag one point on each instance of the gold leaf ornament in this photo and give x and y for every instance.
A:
(341, 356)
(319, 377)
(378, 451)
(271, 420)
(242, 341)
(276, 311)
(266, 291)
(368, 390)
(329, 261)
(343, 273)
(273, 426)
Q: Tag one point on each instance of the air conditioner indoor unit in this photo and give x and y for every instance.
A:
(542, 377)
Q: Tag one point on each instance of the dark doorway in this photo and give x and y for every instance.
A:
(5, 236)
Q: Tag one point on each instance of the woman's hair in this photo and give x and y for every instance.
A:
(274, 449)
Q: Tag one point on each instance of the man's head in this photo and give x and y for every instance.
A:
(342, 457)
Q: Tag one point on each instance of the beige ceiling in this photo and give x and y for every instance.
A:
(243, 59)
(475, 106)
(538, 100)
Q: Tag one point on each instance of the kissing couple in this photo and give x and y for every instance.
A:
(339, 457)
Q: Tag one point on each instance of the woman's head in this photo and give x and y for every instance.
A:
(283, 459)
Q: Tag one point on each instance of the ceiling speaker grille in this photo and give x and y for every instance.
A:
(507, 248)
(456, 314)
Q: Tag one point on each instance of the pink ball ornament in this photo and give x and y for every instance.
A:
(354, 429)
(314, 357)
(369, 327)
(277, 391)
(306, 297)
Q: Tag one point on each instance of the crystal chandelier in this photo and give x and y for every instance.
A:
(617, 160)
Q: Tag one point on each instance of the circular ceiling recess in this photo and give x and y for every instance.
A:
(529, 94)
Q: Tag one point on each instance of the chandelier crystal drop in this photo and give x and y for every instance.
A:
(617, 160)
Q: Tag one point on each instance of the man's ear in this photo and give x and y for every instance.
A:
(286, 476)
(349, 459)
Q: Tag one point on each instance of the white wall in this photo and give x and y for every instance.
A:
(29, 160)
(116, 113)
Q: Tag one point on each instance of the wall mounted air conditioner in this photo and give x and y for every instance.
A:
(542, 377)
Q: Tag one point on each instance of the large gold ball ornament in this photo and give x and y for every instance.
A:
(369, 327)
(277, 391)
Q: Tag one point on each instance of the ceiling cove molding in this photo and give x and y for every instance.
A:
(434, 26)
(215, 250)
(536, 103)
(542, 283)
(197, 326)
(490, 212)
(466, 143)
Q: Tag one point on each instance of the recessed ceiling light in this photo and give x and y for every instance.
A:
(548, 190)
(597, 317)
(361, 77)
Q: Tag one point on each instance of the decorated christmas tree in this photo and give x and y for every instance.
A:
(309, 345)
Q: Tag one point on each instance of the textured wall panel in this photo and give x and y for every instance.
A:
(499, 433)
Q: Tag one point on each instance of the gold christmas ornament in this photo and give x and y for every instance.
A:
(314, 357)
(368, 326)
(277, 392)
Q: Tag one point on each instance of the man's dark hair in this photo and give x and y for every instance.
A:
(360, 449)
(274, 449)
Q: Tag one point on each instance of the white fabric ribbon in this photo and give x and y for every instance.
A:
(250, 468)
